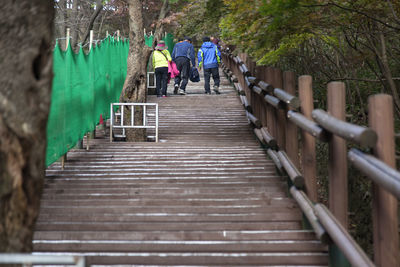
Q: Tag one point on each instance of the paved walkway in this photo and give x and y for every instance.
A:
(205, 195)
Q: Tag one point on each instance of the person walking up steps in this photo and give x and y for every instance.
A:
(209, 58)
(182, 55)
(161, 57)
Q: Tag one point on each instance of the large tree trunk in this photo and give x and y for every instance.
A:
(26, 30)
(134, 89)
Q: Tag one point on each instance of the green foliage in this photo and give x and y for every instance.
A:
(330, 40)
(287, 44)
(199, 18)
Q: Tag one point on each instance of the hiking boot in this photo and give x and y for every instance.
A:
(176, 87)
(207, 92)
(216, 89)
(182, 92)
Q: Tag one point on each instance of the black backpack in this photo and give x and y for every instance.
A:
(194, 75)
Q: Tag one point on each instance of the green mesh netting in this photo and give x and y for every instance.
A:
(83, 88)
(169, 41)
(148, 40)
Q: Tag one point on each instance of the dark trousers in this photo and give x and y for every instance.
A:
(161, 80)
(207, 75)
(183, 65)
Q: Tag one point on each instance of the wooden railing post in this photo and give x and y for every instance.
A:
(308, 157)
(269, 75)
(337, 166)
(280, 114)
(292, 144)
(384, 205)
(261, 75)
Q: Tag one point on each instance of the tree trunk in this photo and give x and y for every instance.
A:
(135, 86)
(26, 63)
(134, 89)
(387, 73)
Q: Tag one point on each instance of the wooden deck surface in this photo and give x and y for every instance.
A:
(205, 195)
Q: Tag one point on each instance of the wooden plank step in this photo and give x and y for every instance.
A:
(169, 190)
(198, 259)
(172, 217)
(282, 202)
(165, 226)
(170, 209)
(148, 184)
(196, 246)
(177, 235)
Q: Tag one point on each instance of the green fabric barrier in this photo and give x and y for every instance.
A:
(169, 41)
(83, 87)
(148, 40)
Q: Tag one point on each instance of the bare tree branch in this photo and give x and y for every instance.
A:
(159, 25)
(364, 14)
(99, 7)
(363, 80)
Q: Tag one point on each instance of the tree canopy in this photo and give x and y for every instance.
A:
(352, 41)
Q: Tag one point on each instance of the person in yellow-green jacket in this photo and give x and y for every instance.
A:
(161, 57)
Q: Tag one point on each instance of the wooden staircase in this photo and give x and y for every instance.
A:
(205, 195)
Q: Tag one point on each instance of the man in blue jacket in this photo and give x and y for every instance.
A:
(182, 54)
(209, 58)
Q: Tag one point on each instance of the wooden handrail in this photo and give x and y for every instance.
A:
(273, 101)
(248, 83)
(271, 142)
(308, 208)
(274, 156)
(363, 136)
(259, 136)
(244, 70)
(257, 90)
(254, 120)
(308, 125)
(253, 80)
(294, 174)
(342, 239)
(376, 170)
(266, 87)
(246, 104)
(289, 99)
(239, 88)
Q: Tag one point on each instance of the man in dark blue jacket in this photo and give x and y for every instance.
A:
(209, 58)
(182, 54)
